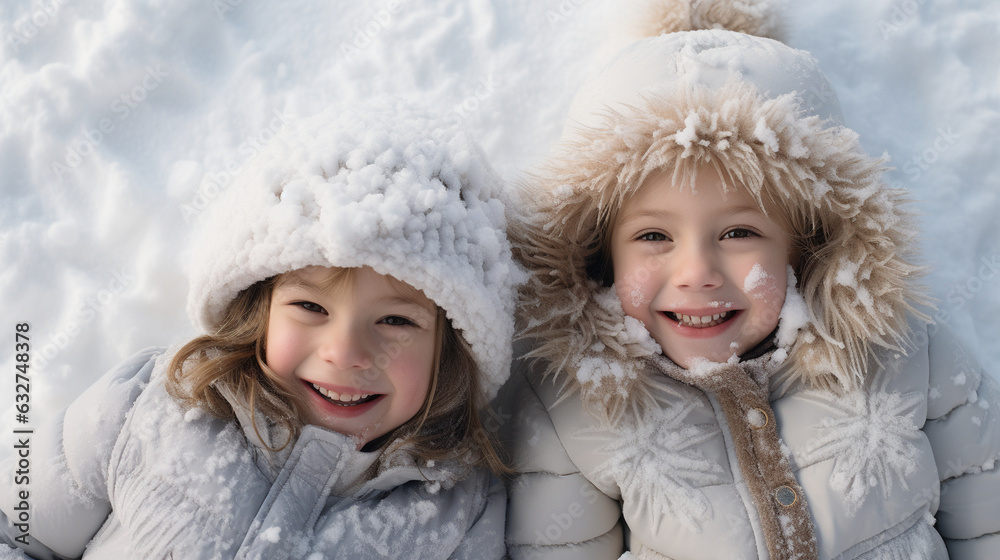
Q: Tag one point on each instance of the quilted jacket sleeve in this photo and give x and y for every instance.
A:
(483, 539)
(554, 512)
(964, 430)
(67, 470)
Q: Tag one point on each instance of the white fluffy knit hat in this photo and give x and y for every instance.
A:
(381, 186)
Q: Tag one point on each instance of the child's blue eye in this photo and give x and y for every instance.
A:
(397, 321)
(652, 236)
(310, 306)
(739, 233)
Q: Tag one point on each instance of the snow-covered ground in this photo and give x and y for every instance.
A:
(121, 120)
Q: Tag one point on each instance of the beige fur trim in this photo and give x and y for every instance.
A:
(753, 17)
(858, 285)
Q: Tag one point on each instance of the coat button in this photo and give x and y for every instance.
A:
(786, 496)
(757, 418)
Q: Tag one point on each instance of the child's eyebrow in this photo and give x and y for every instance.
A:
(404, 300)
(293, 281)
(742, 209)
(638, 214)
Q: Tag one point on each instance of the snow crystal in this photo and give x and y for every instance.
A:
(959, 379)
(638, 295)
(193, 414)
(766, 135)
(563, 191)
(756, 278)
(871, 437)
(424, 510)
(756, 418)
(658, 464)
(271, 534)
(703, 367)
(794, 313)
(847, 273)
(689, 135)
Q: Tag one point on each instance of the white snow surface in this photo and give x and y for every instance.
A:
(121, 121)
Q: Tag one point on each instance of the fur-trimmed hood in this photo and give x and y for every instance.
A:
(764, 116)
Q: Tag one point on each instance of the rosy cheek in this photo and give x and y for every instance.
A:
(760, 285)
(633, 291)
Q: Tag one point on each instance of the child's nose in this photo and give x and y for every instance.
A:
(346, 348)
(696, 268)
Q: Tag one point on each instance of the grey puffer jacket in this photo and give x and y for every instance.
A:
(124, 472)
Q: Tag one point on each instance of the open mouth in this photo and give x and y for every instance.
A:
(343, 399)
(702, 321)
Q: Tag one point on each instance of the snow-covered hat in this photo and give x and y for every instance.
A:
(709, 58)
(381, 186)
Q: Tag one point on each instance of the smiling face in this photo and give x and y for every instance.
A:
(361, 349)
(705, 271)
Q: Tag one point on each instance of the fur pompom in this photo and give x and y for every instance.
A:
(753, 17)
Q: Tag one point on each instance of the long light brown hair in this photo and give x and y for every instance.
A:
(447, 426)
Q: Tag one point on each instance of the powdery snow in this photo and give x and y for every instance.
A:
(121, 122)
(794, 313)
(756, 278)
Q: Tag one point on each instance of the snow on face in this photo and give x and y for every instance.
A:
(719, 277)
(756, 280)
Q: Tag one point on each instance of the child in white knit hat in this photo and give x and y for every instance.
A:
(356, 289)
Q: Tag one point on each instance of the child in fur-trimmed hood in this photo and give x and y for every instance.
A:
(729, 358)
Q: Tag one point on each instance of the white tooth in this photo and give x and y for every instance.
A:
(685, 319)
(706, 319)
(716, 317)
(695, 320)
(355, 397)
(345, 398)
(365, 396)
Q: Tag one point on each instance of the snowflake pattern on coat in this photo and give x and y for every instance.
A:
(657, 465)
(871, 437)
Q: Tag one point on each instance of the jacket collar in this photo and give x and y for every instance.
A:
(365, 471)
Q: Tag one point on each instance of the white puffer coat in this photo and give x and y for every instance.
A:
(875, 467)
(855, 431)
(124, 472)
